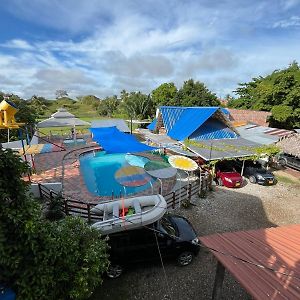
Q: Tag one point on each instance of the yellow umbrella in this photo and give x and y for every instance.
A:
(182, 163)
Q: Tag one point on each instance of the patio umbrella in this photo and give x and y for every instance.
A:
(182, 163)
(132, 176)
(160, 170)
(62, 118)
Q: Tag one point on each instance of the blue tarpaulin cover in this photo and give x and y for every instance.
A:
(115, 141)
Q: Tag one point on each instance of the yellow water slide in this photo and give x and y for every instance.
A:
(7, 115)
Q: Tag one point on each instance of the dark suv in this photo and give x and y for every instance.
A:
(289, 160)
(174, 235)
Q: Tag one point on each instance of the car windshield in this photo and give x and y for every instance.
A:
(167, 227)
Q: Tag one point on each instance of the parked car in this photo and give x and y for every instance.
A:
(227, 175)
(174, 234)
(289, 160)
(257, 174)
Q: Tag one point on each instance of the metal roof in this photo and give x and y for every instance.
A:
(62, 118)
(213, 129)
(224, 148)
(266, 262)
(181, 122)
(261, 134)
(119, 123)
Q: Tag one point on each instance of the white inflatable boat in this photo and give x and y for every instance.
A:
(129, 213)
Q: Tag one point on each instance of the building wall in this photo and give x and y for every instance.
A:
(253, 116)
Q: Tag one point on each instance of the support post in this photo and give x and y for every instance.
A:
(66, 207)
(89, 212)
(173, 200)
(242, 173)
(217, 291)
(40, 191)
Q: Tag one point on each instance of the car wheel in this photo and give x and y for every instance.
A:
(220, 182)
(185, 258)
(114, 271)
(282, 162)
(252, 179)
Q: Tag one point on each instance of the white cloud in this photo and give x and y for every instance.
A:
(139, 45)
(293, 21)
(18, 44)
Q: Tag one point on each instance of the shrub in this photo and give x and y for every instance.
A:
(42, 259)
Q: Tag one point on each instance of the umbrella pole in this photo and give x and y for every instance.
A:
(200, 180)
(161, 185)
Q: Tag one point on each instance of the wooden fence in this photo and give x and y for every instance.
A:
(83, 209)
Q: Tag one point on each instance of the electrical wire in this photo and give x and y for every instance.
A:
(223, 253)
(163, 266)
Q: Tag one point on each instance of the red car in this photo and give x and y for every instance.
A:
(229, 178)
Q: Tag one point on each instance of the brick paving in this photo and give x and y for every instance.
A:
(64, 167)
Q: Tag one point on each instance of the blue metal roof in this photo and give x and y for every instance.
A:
(182, 122)
(152, 125)
(190, 120)
(170, 115)
(213, 129)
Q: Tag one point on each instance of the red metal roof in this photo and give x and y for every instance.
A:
(275, 248)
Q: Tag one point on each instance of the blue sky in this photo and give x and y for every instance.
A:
(101, 47)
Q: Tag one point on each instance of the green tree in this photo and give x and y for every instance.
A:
(195, 93)
(108, 106)
(277, 92)
(138, 106)
(61, 93)
(165, 94)
(38, 258)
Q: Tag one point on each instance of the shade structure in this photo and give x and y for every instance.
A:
(136, 160)
(40, 148)
(115, 141)
(132, 176)
(62, 118)
(182, 163)
(159, 169)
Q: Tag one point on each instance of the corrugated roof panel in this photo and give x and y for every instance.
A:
(190, 120)
(213, 129)
(170, 115)
(119, 123)
(264, 261)
(224, 148)
(152, 125)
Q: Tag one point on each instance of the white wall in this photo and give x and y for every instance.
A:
(55, 186)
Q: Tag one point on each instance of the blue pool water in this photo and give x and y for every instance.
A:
(99, 171)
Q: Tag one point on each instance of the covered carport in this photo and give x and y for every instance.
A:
(222, 149)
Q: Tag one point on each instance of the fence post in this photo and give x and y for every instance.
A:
(190, 192)
(40, 191)
(89, 212)
(66, 207)
(51, 197)
(173, 200)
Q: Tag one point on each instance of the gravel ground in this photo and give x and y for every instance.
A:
(250, 207)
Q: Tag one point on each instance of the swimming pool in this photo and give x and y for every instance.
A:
(98, 170)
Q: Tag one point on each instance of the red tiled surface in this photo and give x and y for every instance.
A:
(266, 261)
(75, 188)
(65, 167)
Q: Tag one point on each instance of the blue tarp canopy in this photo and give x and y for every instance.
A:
(152, 125)
(115, 141)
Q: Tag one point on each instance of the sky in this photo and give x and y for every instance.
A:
(102, 47)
